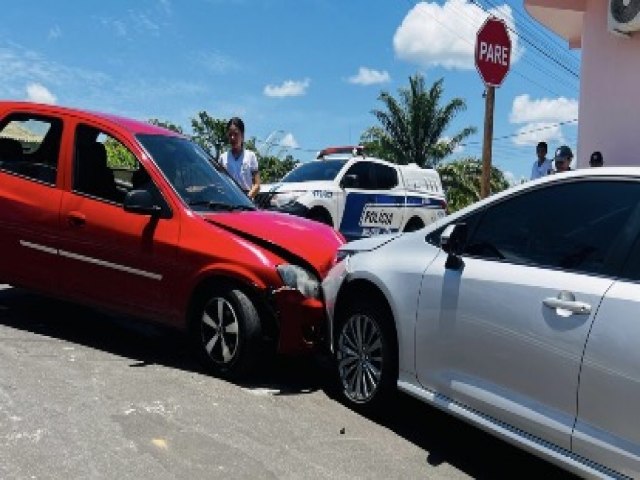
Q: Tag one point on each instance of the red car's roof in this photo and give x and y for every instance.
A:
(131, 125)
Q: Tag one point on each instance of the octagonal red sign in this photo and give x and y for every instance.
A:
(493, 51)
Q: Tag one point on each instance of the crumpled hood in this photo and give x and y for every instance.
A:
(286, 235)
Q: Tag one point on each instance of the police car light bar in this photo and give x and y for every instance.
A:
(353, 150)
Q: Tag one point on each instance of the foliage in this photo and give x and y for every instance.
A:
(119, 156)
(461, 181)
(273, 169)
(412, 128)
(372, 143)
(210, 133)
(166, 124)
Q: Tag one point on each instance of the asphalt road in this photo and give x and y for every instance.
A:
(85, 395)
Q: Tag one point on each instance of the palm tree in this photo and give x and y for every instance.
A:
(461, 181)
(413, 127)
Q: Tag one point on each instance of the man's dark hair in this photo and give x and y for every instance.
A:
(596, 159)
(542, 146)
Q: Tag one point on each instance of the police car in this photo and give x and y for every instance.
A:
(358, 195)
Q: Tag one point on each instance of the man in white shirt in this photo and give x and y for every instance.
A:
(542, 166)
(242, 164)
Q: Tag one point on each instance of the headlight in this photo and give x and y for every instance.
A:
(302, 280)
(281, 199)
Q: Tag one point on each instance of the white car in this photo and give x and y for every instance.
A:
(519, 314)
(359, 196)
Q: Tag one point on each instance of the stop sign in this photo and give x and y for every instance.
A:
(493, 51)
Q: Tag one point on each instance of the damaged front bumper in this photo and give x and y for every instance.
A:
(301, 321)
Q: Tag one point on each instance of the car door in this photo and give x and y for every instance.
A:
(370, 206)
(29, 199)
(112, 257)
(608, 426)
(504, 333)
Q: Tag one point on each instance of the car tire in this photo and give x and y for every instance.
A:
(366, 358)
(321, 215)
(226, 332)
(414, 224)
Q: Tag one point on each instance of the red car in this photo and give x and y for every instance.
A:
(128, 216)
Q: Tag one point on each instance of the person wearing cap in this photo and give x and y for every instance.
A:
(596, 159)
(563, 158)
(542, 166)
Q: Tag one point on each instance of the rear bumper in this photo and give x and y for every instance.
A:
(301, 321)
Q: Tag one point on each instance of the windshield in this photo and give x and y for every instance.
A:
(315, 170)
(202, 183)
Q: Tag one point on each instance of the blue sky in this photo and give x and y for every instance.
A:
(303, 74)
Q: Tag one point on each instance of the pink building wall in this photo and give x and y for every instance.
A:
(609, 115)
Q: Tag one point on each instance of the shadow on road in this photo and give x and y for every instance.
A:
(445, 439)
(142, 342)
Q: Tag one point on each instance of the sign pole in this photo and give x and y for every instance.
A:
(490, 100)
(492, 58)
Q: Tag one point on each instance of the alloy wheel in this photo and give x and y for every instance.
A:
(220, 330)
(360, 358)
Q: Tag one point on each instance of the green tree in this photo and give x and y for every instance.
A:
(461, 181)
(273, 169)
(166, 124)
(210, 133)
(371, 140)
(118, 156)
(413, 126)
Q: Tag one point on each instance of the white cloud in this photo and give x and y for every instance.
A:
(118, 26)
(532, 133)
(289, 141)
(542, 119)
(216, 62)
(559, 109)
(368, 76)
(289, 88)
(55, 32)
(39, 93)
(445, 35)
(512, 179)
(457, 149)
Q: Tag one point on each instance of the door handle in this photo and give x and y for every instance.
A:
(567, 301)
(76, 219)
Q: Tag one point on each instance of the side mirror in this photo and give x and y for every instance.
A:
(453, 241)
(349, 181)
(141, 201)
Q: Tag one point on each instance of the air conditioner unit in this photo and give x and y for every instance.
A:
(624, 16)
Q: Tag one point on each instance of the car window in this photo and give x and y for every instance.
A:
(97, 158)
(364, 173)
(30, 146)
(315, 170)
(385, 177)
(570, 226)
(202, 183)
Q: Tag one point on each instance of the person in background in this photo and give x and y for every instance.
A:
(596, 159)
(563, 158)
(242, 164)
(542, 166)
